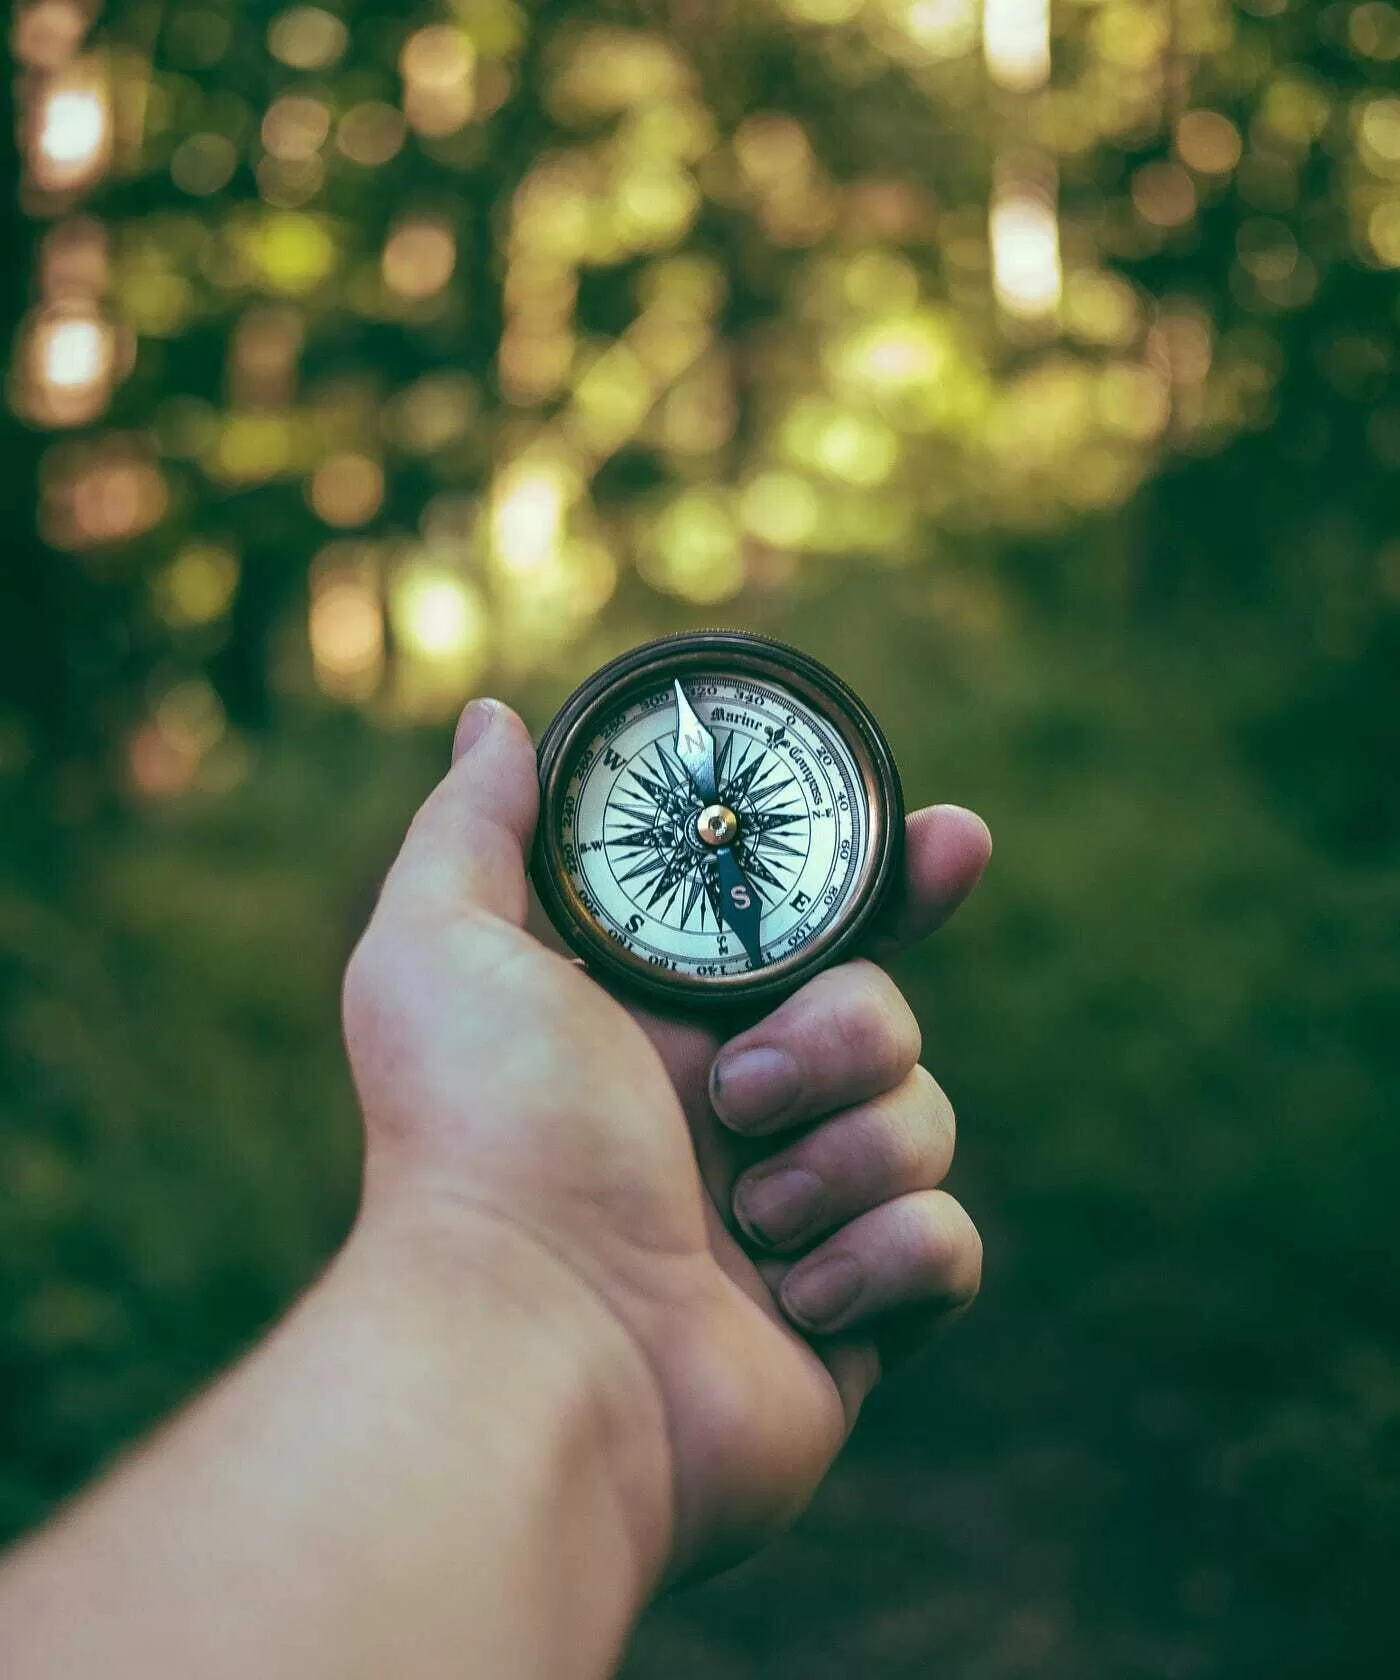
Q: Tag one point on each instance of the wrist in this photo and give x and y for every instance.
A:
(507, 1316)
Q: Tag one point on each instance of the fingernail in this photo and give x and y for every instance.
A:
(752, 1085)
(820, 1293)
(471, 726)
(775, 1207)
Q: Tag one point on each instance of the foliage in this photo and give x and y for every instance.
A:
(533, 307)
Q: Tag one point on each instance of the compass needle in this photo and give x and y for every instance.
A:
(741, 903)
(695, 746)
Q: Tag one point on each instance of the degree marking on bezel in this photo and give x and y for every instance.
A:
(745, 658)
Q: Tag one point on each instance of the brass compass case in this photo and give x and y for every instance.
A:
(642, 864)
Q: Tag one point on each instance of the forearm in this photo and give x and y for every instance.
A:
(418, 1475)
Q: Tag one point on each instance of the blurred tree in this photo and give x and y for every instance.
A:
(381, 348)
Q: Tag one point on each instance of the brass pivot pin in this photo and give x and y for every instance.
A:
(717, 825)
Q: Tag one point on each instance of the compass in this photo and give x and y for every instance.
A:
(720, 817)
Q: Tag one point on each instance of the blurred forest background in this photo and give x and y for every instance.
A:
(1033, 364)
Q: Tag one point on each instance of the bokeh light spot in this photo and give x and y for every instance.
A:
(419, 257)
(438, 66)
(655, 206)
(73, 131)
(203, 164)
(307, 38)
(1016, 42)
(347, 490)
(857, 448)
(1164, 195)
(1025, 240)
(345, 622)
(95, 495)
(45, 35)
(895, 354)
(780, 508)
(1208, 142)
(693, 549)
(74, 352)
(198, 585)
(1374, 31)
(288, 183)
(880, 281)
(441, 627)
(295, 127)
(370, 133)
(69, 366)
(251, 448)
(292, 253)
(529, 503)
(614, 69)
(1379, 133)
(941, 28)
(1383, 230)
(1101, 308)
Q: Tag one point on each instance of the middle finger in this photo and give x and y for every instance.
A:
(846, 1036)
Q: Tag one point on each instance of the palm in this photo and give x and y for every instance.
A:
(755, 1417)
(768, 1404)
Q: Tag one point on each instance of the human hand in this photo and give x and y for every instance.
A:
(520, 1118)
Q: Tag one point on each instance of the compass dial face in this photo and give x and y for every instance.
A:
(635, 853)
(713, 825)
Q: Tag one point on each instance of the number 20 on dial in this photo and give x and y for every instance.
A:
(720, 818)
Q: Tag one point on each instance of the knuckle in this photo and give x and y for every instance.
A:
(942, 1245)
(935, 1244)
(937, 1117)
(877, 1027)
(904, 1146)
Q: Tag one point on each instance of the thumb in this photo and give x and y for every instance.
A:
(468, 845)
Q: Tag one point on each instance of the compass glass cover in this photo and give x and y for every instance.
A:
(639, 821)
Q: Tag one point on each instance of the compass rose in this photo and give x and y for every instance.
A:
(653, 840)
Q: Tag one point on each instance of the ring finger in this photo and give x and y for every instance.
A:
(896, 1143)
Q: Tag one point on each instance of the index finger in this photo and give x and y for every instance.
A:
(946, 848)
